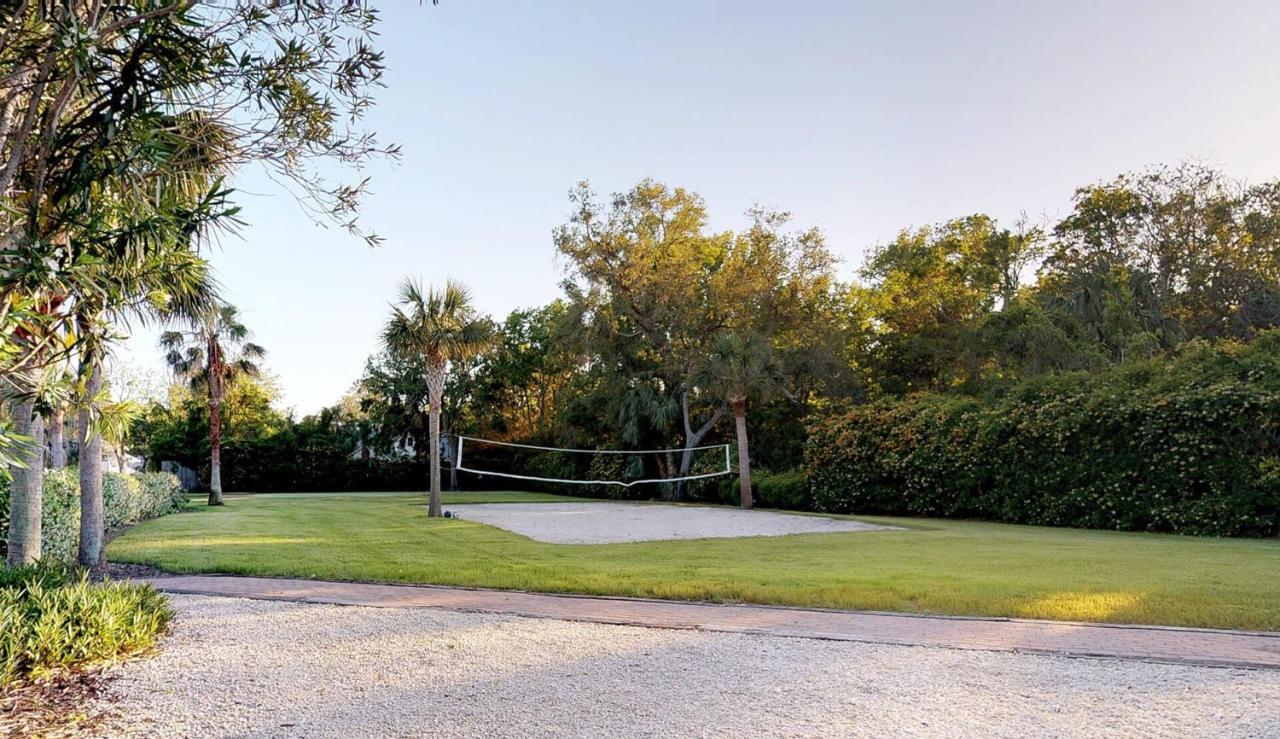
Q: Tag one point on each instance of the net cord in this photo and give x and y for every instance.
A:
(457, 464)
(589, 451)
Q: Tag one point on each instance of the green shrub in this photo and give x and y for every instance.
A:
(60, 518)
(121, 499)
(126, 499)
(1187, 444)
(787, 490)
(784, 490)
(51, 618)
(162, 494)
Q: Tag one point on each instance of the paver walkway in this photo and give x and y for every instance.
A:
(1148, 643)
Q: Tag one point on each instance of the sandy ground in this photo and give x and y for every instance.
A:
(609, 523)
(258, 668)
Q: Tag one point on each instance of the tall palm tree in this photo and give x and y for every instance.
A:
(740, 368)
(441, 326)
(213, 353)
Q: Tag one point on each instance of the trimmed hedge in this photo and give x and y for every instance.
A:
(126, 499)
(1187, 444)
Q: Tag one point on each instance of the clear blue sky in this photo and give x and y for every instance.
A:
(859, 117)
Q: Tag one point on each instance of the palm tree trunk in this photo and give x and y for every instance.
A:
(57, 443)
(744, 459)
(26, 496)
(435, 388)
(435, 508)
(215, 453)
(90, 553)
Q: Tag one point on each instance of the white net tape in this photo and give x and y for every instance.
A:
(715, 456)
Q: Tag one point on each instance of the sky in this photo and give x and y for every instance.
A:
(860, 118)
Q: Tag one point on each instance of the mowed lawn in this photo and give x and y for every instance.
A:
(945, 567)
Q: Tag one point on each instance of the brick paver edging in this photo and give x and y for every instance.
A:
(1174, 645)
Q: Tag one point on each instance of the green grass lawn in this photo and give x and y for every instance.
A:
(951, 567)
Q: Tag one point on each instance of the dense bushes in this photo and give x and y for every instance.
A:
(52, 618)
(1188, 444)
(785, 490)
(789, 490)
(271, 466)
(126, 499)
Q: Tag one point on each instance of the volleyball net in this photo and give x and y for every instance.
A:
(557, 465)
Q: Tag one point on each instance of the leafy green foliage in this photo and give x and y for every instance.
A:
(60, 515)
(521, 384)
(1187, 444)
(1197, 250)
(784, 490)
(929, 289)
(127, 499)
(51, 618)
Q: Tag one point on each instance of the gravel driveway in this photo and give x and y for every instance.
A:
(609, 523)
(260, 668)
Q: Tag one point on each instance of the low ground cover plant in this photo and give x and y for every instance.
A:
(53, 617)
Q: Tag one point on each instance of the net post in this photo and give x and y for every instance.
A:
(728, 461)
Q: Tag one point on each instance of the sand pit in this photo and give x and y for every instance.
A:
(611, 523)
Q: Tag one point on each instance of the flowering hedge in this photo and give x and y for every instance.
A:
(1187, 444)
(126, 499)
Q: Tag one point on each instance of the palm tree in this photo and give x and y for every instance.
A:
(31, 336)
(212, 354)
(442, 327)
(740, 368)
(62, 386)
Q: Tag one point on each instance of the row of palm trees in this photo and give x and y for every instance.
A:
(205, 333)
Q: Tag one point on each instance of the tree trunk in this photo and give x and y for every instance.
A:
(744, 459)
(435, 388)
(26, 496)
(91, 520)
(436, 506)
(215, 453)
(692, 439)
(57, 443)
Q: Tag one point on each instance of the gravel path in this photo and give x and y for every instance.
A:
(259, 668)
(609, 523)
